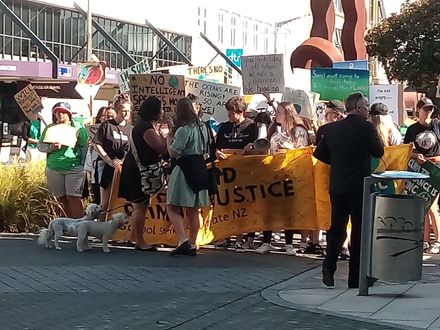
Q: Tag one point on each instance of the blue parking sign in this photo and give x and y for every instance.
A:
(235, 55)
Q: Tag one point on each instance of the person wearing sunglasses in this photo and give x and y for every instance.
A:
(347, 147)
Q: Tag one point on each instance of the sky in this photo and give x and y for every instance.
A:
(159, 13)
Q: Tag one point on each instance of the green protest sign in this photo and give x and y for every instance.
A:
(428, 189)
(338, 84)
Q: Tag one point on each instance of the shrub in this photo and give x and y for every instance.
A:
(25, 202)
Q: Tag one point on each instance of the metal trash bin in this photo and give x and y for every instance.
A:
(397, 241)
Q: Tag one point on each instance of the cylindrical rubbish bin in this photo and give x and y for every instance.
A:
(397, 246)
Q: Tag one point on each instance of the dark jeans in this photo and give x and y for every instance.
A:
(288, 234)
(343, 206)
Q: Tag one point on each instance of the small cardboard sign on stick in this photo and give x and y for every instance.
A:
(29, 101)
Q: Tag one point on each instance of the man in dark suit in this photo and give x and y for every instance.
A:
(347, 147)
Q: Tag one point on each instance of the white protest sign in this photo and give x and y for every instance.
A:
(123, 76)
(28, 100)
(213, 97)
(168, 88)
(307, 101)
(262, 74)
(392, 97)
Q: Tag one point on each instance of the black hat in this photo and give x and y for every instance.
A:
(336, 105)
(379, 109)
(424, 102)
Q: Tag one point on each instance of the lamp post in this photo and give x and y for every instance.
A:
(278, 25)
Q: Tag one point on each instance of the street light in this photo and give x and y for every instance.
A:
(278, 25)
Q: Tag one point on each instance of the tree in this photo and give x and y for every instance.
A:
(408, 45)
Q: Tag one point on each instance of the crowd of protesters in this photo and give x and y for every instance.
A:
(178, 148)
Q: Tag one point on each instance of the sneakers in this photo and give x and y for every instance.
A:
(249, 245)
(290, 251)
(344, 254)
(239, 247)
(264, 248)
(435, 248)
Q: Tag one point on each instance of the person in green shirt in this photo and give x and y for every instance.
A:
(66, 148)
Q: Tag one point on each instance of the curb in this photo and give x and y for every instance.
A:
(271, 295)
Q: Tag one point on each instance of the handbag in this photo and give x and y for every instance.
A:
(214, 172)
(152, 176)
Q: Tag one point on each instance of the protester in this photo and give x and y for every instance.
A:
(100, 115)
(236, 134)
(31, 132)
(425, 137)
(347, 146)
(335, 111)
(388, 132)
(286, 133)
(111, 142)
(188, 182)
(110, 113)
(65, 164)
(149, 146)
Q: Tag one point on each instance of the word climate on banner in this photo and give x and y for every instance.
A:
(29, 101)
(168, 88)
(262, 74)
(213, 97)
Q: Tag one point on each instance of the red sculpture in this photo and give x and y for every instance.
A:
(318, 50)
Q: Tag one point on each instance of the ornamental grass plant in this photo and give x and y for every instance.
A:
(25, 202)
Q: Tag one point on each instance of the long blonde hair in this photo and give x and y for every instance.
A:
(385, 128)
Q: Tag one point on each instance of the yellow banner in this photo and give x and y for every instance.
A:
(284, 191)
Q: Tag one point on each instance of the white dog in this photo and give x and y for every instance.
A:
(66, 226)
(102, 230)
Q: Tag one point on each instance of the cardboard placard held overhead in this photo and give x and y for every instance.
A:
(306, 101)
(262, 74)
(392, 97)
(123, 76)
(168, 88)
(29, 101)
(213, 97)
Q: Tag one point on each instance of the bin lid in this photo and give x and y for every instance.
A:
(399, 175)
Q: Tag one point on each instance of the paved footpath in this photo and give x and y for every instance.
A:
(127, 289)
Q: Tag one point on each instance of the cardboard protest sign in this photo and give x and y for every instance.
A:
(262, 74)
(213, 97)
(428, 189)
(29, 101)
(63, 134)
(123, 76)
(306, 101)
(168, 88)
(338, 84)
(392, 97)
(91, 73)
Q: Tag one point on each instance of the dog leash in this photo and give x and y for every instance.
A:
(126, 204)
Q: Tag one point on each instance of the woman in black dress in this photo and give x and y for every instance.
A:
(150, 145)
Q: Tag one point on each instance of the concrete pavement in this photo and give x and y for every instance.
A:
(409, 305)
(127, 289)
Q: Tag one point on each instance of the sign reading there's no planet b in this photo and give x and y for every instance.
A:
(262, 74)
(213, 96)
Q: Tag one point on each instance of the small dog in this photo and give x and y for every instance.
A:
(66, 226)
(102, 230)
